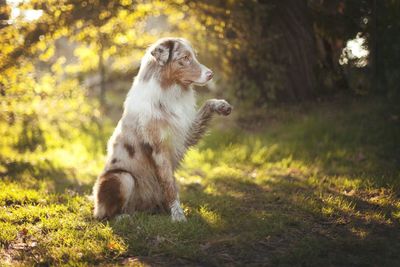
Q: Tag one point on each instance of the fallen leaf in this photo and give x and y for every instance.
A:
(23, 232)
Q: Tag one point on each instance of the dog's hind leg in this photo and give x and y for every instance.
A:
(112, 192)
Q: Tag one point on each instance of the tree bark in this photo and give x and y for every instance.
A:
(297, 47)
(102, 72)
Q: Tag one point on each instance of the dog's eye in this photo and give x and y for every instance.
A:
(184, 61)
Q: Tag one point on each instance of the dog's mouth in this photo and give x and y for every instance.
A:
(187, 82)
(200, 84)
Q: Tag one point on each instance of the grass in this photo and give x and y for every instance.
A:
(317, 186)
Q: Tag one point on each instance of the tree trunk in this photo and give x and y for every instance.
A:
(4, 14)
(102, 72)
(297, 47)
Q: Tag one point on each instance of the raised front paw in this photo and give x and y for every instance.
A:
(222, 107)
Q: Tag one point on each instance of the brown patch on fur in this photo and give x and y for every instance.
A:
(114, 160)
(169, 190)
(109, 194)
(153, 131)
(170, 44)
(164, 172)
(130, 149)
(146, 149)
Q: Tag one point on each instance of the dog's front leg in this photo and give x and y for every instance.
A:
(168, 184)
(203, 117)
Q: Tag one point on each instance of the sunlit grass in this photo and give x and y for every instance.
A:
(39, 227)
(312, 189)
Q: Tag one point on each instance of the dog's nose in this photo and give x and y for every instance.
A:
(209, 74)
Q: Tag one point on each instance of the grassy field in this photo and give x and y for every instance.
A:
(310, 185)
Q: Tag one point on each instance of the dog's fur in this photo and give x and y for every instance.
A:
(158, 125)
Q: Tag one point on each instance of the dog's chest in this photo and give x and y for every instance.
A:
(175, 121)
(169, 113)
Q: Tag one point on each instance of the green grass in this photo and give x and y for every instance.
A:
(318, 185)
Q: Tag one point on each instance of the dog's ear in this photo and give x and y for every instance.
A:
(163, 52)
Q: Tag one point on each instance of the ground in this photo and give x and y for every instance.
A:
(310, 185)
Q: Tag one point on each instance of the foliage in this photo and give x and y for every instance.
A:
(291, 52)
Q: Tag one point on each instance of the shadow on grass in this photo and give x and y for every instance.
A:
(276, 223)
(57, 179)
(281, 223)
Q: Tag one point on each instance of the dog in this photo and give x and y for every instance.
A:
(158, 125)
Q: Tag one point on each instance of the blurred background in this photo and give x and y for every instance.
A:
(66, 66)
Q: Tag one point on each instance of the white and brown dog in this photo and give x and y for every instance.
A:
(158, 125)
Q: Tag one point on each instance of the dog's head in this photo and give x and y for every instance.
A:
(177, 63)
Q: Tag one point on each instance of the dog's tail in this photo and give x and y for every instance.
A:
(112, 191)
